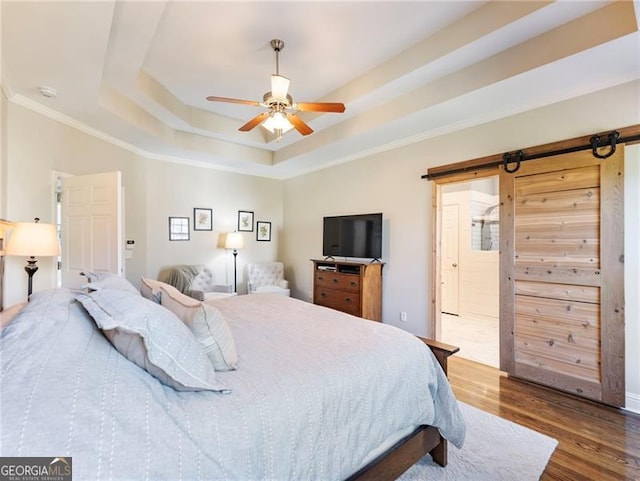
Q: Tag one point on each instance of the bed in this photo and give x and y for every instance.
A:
(317, 394)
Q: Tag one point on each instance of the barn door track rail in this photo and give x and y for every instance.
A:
(602, 146)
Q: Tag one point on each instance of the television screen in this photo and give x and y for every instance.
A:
(353, 236)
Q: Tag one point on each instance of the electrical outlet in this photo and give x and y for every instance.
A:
(403, 316)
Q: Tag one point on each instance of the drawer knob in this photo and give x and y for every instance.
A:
(335, 280)
(323, 294)
(354, 284)
(348, 300)
(320, 278)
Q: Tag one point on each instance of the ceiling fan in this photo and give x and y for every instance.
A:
(281, 115)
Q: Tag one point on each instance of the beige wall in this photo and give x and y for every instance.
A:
(37, 146)
(175, 189)
(390, 182)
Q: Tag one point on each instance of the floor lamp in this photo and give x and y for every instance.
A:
(234, 241)
(32, 239)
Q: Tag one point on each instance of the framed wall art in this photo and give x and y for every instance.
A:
(178, 228)
(202, 219)
(245, 221)
(263, 231)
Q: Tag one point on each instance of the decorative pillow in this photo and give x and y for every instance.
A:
(9, 313)
(107, 280)
(153, 338)
(150, 289)
(207, 324)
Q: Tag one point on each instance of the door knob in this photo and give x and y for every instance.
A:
(454, 264)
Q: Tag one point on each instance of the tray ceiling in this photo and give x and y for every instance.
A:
(137, 73)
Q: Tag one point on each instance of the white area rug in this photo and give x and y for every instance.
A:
(494, 449)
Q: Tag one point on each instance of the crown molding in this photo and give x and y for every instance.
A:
(27, 103)
(71, 122)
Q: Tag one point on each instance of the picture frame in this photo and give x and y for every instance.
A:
(263, 231)
(245, 221)
(202, 219)
(179, 228)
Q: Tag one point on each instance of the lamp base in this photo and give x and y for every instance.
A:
(31, 268)
(235, 271)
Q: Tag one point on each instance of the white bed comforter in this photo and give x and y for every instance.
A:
(316, 391)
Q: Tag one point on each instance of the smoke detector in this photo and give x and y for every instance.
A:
(48, 92)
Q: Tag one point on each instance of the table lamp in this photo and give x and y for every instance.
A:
(32, 239)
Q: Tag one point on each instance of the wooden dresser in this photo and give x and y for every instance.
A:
(351, 287)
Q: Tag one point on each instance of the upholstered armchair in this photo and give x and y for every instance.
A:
(197, 281)
(267, 277)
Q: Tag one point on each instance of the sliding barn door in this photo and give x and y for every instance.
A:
(562, 278)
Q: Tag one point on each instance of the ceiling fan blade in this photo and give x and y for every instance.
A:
(299, 124)
(257, 120)
(336, 107)
(233, 101)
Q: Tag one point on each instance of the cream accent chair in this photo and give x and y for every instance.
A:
(267, 277)
(196, 281)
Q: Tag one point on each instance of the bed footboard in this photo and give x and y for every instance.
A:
(424, 440)
(441, 350)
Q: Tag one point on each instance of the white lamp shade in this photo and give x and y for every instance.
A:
(277, 121)
(33, 239)
(234, 241)
(279, 87)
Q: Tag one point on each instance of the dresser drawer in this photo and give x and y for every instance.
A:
(348, 302)
(335, 280)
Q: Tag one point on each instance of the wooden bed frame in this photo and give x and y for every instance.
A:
(424, 440)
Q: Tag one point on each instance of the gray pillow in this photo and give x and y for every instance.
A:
(153, 338)
(107, 280)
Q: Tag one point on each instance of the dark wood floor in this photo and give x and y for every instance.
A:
(596, 442)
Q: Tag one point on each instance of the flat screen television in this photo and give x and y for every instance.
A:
(353, 236)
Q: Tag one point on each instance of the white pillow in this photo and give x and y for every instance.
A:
(207, 324)
(153, 338)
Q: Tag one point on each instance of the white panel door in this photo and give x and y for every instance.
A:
(449, 266)
(92, 226)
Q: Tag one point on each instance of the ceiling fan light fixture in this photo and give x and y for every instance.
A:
(281, 114)
(277, 121)
(279, 87)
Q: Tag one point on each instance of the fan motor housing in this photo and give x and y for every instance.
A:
(270, 100)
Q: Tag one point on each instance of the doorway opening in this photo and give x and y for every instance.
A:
(469, 268)
(57, 196)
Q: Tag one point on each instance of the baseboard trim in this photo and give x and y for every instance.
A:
(633, 402)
